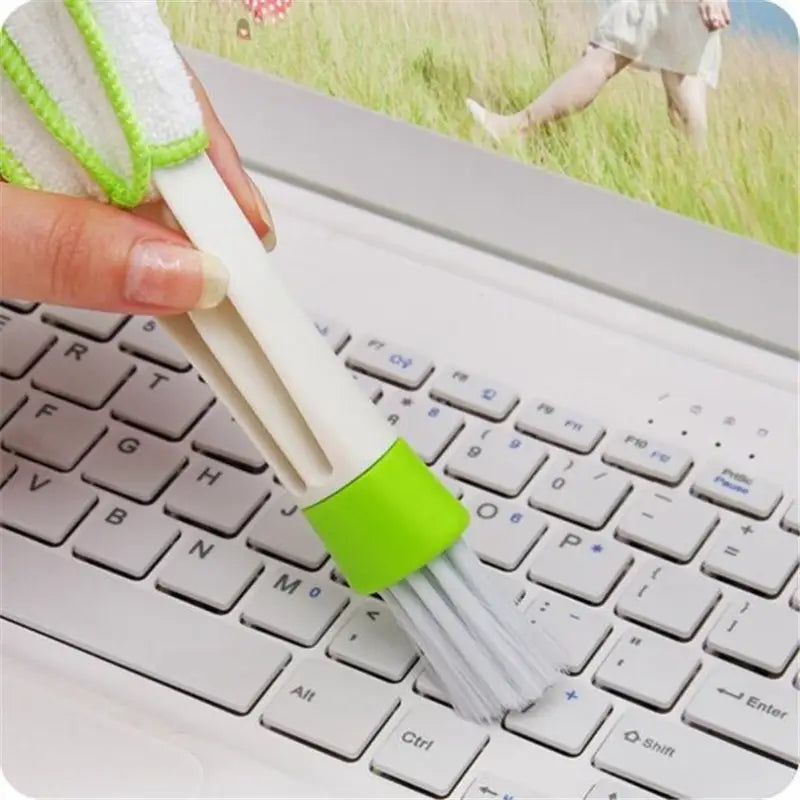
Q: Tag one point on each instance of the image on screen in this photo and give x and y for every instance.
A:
(690, 105)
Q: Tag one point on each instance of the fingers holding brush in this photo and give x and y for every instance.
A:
(77, 252)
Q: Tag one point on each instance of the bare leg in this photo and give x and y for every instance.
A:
(686, 103)
(573, 91)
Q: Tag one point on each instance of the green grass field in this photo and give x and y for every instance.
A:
(417, 61)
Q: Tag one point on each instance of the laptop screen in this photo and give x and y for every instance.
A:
(690, 105)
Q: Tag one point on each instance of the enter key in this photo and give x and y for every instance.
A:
(753, 711)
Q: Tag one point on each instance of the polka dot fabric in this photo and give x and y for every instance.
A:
(268, 10)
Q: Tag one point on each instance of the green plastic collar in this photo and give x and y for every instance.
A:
(389, 522)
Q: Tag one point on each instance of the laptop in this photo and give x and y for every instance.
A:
(169, 625)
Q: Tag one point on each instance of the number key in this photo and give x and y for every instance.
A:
(498, 460)
(585, 493)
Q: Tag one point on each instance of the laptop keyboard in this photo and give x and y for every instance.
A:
(141, 526)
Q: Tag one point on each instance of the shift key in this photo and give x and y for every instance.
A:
(674, 759)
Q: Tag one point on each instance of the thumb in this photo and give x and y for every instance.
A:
(76, 252)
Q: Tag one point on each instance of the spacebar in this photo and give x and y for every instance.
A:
(679, 761)
(135, 626)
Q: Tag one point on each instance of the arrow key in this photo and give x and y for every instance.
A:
(488, 787)
(371, 640)
(617, 790)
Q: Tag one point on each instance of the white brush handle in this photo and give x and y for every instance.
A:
(263, 357)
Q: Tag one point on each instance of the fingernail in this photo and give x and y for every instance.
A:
(171, 276)
(270, 239)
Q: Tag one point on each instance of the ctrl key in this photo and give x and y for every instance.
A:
(430, 749)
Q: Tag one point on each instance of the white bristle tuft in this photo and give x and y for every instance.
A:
(487, 657)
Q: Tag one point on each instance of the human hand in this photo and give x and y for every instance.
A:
(78, 252)
(715, 14)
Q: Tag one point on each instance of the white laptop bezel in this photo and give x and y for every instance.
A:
(578, 232)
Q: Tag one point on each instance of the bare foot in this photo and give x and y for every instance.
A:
(498, 126)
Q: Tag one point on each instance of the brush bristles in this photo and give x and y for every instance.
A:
(487, 657)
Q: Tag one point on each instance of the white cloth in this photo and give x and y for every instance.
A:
(660, 35)
(149, 71)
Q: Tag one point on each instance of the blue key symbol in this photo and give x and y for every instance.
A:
(489, 394)
(400, 361)
(572, 695)
(315, 592)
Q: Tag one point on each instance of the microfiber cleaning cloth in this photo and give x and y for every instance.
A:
(97, 103)
(80, 115)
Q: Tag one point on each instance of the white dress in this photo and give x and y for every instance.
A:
(661, 35)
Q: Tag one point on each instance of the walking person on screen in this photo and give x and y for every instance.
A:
(681, 38)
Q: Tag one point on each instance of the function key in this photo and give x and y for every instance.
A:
(22, 306)
(475, 393)
(560, 425)
(646, 457)
(735, 488)
(335, 334)
(391, 362)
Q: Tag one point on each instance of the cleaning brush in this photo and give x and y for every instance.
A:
(96, 102)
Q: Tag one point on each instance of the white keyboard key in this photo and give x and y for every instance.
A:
(669, 524)
(144, 338)
(757, 557)
(390, 362)
(132, 464)
(8, 466)
(86, 373)
(498, 460)
(737, 489)
(745, 708)
(294, 605)
(42, 505)
(331, 707)
(334, 333)
(216, 497)
(12, 397)
(135, 627)
(428, 685)
(756, 633)
(124, 539)
(162, 402)
(280, 529)
(22, 344)
(500, 532)
(428, 427)
(644, 456)
(488, 786)
(566, 718)
(22, 306)
(218, 435)
(475, 393)
(791, 519)
(208, 572)
(668, 598)
(373, 641)
(673, 759)
(99, 325)
(371, 387)
(453, 486)
(53, 432)
(583, 565)
(579, 491)
(559, 425)
(579, 630)
(609, 789)
(430, 749)
(648, 668)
